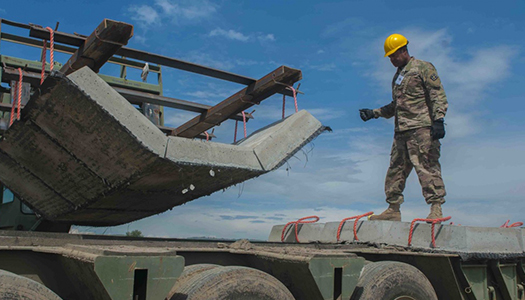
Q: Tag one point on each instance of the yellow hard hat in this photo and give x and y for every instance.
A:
(394, 42)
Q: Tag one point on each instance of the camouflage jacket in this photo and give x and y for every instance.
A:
(418, 97)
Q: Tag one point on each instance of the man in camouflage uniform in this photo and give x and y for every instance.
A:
(419, 106)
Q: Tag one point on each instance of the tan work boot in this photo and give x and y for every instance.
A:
(435, 211)
(392, 213)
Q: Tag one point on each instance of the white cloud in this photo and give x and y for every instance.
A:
(229, 34)
(343, 27)
(187, 10)
(325, 114)
(266, 37)
(206, 59)
(180, 12)
(247, 62)
(207, 94)
(144, 14)
(166, 6)
(459, 125)
(323, 67)
(272, 110)
(471, 80)
(175, 118)
(140, 39)
(239, 36)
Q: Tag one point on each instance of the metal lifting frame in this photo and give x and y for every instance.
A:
(134, 94)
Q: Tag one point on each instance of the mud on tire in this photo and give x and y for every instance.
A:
(233, 282)
(15, 287)
(391, 280)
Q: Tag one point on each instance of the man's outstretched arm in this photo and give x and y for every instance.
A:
(386, 112)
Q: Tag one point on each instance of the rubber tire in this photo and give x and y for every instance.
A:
(15, 287)
(232, 282)
(185, 279)
(390, 280)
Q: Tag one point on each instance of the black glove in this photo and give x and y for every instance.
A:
(366, 114)
(437, 131)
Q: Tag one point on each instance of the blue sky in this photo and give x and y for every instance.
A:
(477, 48)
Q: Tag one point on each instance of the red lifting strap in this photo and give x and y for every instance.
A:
(294, 92)
(516, 224)
(300, 221)
(433, 221)
(51, 54)
(244, 124)
(18, 95)
(355, 224)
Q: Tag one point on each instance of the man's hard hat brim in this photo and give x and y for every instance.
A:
(395, 49)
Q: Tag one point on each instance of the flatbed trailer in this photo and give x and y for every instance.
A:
(111, 267)
(133, 166)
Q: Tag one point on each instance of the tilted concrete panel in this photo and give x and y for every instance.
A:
(282, 139)
(83, 155)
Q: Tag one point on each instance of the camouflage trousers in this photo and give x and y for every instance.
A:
(415, 149)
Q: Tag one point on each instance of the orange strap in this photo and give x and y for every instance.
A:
(18, 90)
(51, 54)
(300, 221)
(433, 221)
(355, 224)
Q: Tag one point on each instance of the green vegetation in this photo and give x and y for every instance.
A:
(134, 233)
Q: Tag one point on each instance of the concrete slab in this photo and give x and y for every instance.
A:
(523, 238)
(282, 139)
(65, 175)
(201, 152)
(307, 233)
(83, 155)
(28, 186)
(459, 239)
(366, 231)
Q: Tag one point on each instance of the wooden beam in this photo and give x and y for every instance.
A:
(100, 46)
(75, 40)
(263, 88)
(171, 131)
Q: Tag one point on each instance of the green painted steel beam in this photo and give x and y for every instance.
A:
(132, 84)
(521, 272)
(476, 276)
(117, 274)
(36, 66)
(507, 278)
(323, 270)
(29, 65)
